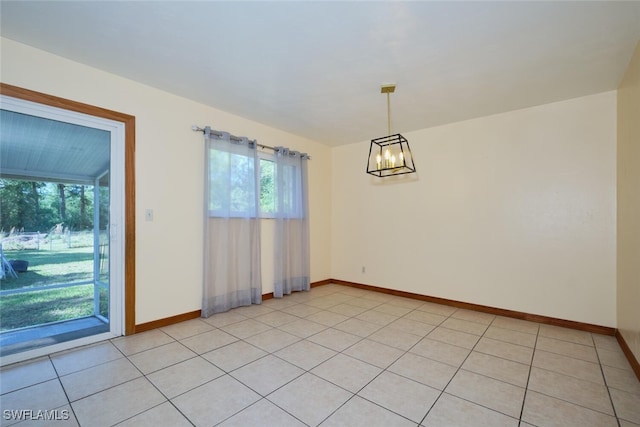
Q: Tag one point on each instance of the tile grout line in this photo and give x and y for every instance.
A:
(450, 316)
(452, 376)
(606, 385)
(353, 395)
(526, 388)
(409, 350)
(383, 370)
(63, 389)
(225, 372)
(142, 375)
(305, 371)
(308, 371)
(460, 368)
(570, 376)
(154, 385)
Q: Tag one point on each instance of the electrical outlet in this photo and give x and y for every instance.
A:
(364, 269)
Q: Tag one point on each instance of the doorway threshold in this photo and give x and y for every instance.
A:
(24, 339)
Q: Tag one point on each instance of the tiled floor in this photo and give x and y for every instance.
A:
(335, 356)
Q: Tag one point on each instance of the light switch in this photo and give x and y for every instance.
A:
(148, 215)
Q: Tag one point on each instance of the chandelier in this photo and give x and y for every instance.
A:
(390, 155)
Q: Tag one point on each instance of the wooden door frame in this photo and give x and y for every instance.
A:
(129, 182)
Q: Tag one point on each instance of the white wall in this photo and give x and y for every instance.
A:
(629, 205)
(169, 169)
(515, 211)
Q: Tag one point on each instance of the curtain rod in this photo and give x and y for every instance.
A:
(236, 138)
(233, 137)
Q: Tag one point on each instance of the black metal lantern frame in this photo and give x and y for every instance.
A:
(390, 155)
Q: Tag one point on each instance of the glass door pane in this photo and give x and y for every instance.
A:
(102, 237)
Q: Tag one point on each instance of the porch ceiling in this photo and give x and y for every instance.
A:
(35, 148)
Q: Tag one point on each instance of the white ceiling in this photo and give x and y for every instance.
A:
(315, 68)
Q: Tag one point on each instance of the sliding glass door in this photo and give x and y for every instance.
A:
(61, 226)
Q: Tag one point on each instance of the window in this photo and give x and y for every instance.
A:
(268, 206)
(290, 191)
(231, 190)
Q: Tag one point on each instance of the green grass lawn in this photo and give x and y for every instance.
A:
(47, 268)
(37, 308)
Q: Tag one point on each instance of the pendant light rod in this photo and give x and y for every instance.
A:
(388, 113)
(390, 88)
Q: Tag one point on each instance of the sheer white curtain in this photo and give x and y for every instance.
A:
(292, 271)
(232, 276)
